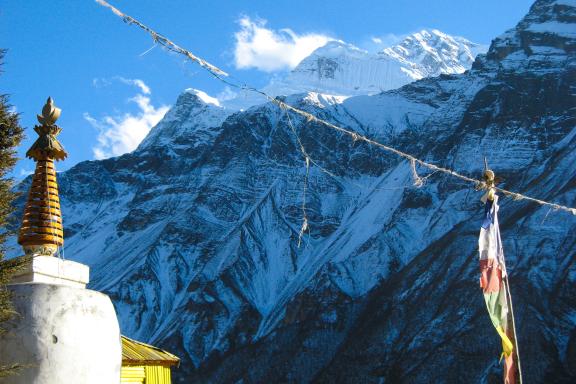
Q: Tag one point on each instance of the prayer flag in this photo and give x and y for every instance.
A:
(492, 273)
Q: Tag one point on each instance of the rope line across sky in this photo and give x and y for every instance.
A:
(218, 74)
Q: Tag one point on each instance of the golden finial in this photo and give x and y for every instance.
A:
(47, 146)
(489, 180)
(49, 113)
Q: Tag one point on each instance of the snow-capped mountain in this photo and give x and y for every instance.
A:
(342, 69)
(195, 234)
(339, 68)
(195, 115)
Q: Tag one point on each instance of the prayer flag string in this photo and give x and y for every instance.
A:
(218, 74)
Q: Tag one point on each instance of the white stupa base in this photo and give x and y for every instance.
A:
(52, 270)
(66, 335)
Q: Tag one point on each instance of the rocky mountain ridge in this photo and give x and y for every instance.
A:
(195, 234)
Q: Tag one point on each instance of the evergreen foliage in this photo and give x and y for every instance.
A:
(11, 133)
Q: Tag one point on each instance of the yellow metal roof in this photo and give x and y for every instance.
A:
(138, 353)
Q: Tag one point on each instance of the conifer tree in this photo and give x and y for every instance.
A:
(11, 134)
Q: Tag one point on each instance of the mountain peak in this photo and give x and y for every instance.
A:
(547, 29)
(202, 96)
(430, 52)
(191, 119)
(337, 48)
(340, 68)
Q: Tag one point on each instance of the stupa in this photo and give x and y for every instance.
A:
(63, 332)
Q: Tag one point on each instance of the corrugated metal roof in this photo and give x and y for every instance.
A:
(138, 353)
(133, 375)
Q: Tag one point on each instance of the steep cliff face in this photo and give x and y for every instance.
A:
(195, 234)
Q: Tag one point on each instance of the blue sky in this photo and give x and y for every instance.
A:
(112, 86)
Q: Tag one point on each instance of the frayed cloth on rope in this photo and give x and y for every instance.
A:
(158, 38)
(418, 181)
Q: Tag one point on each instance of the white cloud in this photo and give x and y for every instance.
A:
(268, 50)
(121, 134)
(227, 94)
(376, 43)
(387, 40)
(136, 82)
(100, 82)
(103, 82)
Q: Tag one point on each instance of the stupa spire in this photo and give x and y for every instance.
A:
(41, 232)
